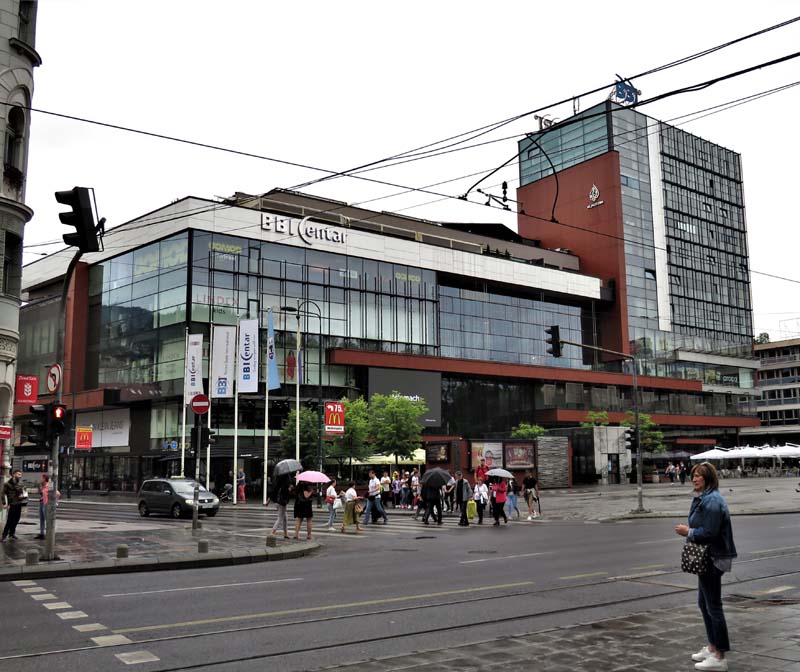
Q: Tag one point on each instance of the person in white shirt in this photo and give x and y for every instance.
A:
(481, 496)
(350, 500)
(331, 495)
(374, 499)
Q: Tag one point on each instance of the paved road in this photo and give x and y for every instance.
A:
(391, 591)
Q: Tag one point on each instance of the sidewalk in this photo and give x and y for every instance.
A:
(150, 548)
(764, 636)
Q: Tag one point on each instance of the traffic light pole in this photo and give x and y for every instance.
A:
(637, 439)
(198, 444)
(50, 534)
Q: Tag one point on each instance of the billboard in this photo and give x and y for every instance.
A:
(334, 417)
(412, 384)
(520, 456)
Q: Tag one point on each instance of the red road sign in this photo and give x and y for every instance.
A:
(334, 417)
(6, 432)
(200, 404)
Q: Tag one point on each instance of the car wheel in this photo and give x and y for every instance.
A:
(212, 513)
(143, 510)
(177, 512)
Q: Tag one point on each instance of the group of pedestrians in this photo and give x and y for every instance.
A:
(679, 471)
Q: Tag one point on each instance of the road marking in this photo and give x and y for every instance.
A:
(89, 627)
(44, 596)
(218, 585)
(327, 607)
(111, 640)
(658, 541)
(778, 589)
(583, 576)
(639, 575)
(772, 550)
(136, 657)
(57, 605)
(35, 589)
(26, 582)
(503, 557)
(640, 567)
(66, 615)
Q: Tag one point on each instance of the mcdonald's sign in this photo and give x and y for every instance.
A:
(334, 417)
(83, 438)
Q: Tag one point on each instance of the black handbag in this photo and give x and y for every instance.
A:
(695, 558)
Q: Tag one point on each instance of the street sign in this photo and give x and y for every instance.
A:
(334, 417)
(27, 391)
(6, 432)
(200, 404)
(53, 378)
(83, 438)
(173, 445)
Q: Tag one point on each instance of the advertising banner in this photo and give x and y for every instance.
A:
(193, 378)
(83, 438)
(223, 362)
(437, 453)
(27, 389)
(334, 417)
(248, 357)
(520, 456)
(110, 428)
(273, 382)
(412, 384)
(490, 450)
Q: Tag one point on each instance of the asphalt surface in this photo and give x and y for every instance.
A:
(392, 591)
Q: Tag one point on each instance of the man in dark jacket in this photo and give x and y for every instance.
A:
(433, 503)
(12, 498)
(463, 495)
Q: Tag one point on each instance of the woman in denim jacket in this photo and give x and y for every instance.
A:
(710, 525)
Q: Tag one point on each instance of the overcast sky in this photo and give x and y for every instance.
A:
(333, 85)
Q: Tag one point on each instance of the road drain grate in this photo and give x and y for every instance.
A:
(424, 537)
(482, 552)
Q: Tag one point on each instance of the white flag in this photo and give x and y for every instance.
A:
(223, 355)
(193, 379)
(248, 356)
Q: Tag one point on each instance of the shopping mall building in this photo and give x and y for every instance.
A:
(647, 256)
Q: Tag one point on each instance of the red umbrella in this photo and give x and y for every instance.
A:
(312, 477)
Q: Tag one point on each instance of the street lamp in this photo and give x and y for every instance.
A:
(302, 308)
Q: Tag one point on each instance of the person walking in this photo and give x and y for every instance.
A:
(283, 492)
(44, 489)
(481, 497)
(710, 524)
(350, 500)
(240, 483)
(531, 493)
(432, 495)
(331, 496)
(303, 510)
(397, 489)
(463, 493)
(13, 497)
(512, 498)
(374, 499)
(405, 490)
(386, 490)
(499, 495)
(671, 473)
(682, 473)
(480, 471)
(449, 495)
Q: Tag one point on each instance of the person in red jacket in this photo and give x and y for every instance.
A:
(480, 471)
(499, 491)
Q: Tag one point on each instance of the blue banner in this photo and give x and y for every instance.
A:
(273, 382)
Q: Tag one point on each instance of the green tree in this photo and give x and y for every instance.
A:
(353, 444)
(762, 338)
(595, 419)
(651, 437)
(309, 433)
(525, 430)
(394, 424)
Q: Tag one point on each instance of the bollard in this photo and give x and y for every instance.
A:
(202, 546)
(272, 540)
(122, 551)
(32, 556)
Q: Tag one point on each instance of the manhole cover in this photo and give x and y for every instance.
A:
(482, 552)
(424, 537)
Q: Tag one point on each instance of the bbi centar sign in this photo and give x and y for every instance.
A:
(334, 417)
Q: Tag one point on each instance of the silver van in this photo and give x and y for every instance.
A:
(175, 496)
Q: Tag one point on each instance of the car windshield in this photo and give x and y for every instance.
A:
(185, 487)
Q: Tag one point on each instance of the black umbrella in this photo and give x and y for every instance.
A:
(285, 467)
(435, 478)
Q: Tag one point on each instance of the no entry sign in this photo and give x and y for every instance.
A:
(200, 404)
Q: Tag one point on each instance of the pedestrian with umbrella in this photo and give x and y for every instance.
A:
(432, 483)
(499, 493)
(303, 509)
(281, 492)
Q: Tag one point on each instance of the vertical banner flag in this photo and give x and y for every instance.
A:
(193, 382)
(223, 355)
(299, 371)
(273, 382)
(248, 356)
(27, 391)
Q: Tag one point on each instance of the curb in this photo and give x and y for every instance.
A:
(667, 514)
(157, 563)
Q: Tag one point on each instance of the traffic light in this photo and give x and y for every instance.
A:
(58, 420)
(630, 438)
(81, 217)
(553, 340)
(208, 437)
(37, 425)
